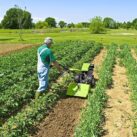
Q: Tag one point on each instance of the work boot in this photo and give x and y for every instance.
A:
(37, 94)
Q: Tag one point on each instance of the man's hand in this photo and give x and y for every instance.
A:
(60, 69)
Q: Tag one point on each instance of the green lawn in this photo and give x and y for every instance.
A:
(119, 36)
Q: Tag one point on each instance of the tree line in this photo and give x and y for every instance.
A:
(17, 18)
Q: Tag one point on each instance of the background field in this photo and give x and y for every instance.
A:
(118, 36)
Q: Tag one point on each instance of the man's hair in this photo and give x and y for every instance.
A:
(48, 40)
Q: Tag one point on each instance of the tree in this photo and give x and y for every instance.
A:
(41, 25)
(85, 24)
(79, 25)
(0, 25)
(124, 25)
(96, 25)
(51, 22)
(71, 25)
(17, 18)
(33, 25)
(10, 20)
(27, 20)
(134, 23)
(119, 24)
(110, 23)
(129, 25)
(107, 22)
(62, 24)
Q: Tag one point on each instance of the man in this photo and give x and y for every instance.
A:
(45, 58)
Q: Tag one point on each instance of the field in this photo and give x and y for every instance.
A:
(108, 111)
(119, 36)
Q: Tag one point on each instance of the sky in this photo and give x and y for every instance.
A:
(74, 10)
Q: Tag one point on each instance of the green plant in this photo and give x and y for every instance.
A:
(92, 116)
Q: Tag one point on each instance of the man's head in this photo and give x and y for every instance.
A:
(48, 41)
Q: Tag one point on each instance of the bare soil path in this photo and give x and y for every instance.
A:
(9, 48)
(62, 120)
(118, 114)
(134, 54)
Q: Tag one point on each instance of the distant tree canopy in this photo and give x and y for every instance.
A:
(41, 25)
(27, 20)
(110, 23)
(71, 25)
(62, 24)
(96, 25)
(85, 24)
(129, 25)
(51, 22)
(134, 23)
(125, 25)
(79, 25)
(0, 25)
(16, 18)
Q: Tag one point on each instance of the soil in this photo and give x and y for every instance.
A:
(10, 48)
(62, 120)
(98, 62)
(134, 54)
(118, 113)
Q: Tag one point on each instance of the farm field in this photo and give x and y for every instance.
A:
(118, 36)
(108, 111)
(68, 68)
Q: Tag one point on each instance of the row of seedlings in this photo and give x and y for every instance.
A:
(130, 64)
(92, 116)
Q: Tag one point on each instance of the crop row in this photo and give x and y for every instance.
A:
(92, 117)
(16, 96)
(131, 65)
(23, 67)
(24, 57)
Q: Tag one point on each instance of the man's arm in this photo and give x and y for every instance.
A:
(56, 64)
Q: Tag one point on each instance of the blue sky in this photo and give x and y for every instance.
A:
(74, 10)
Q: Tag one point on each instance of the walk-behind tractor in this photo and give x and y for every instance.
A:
(82, 82)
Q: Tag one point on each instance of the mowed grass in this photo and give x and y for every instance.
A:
(119, 36)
